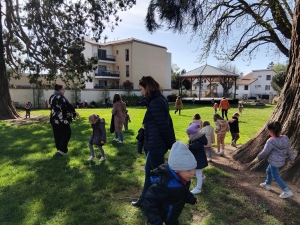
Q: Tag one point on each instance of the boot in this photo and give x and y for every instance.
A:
(139, 203)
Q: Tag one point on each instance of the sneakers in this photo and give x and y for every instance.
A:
(91, 158)
(120, 142)
(286, 194)
(102, 159)
(115, 139)
(209, 159)
(233, 144)
(196, 191)
(266, 186)
(218, 153)
(139, 203)
(61, 152)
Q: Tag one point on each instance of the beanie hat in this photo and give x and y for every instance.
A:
(193, 128)
(181, 158)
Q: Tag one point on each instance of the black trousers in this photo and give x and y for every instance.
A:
(224, 111)
(62, 135)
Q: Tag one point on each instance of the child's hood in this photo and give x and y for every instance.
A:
(233, 119)
(281, 142)
(222, 122)
(197, 135)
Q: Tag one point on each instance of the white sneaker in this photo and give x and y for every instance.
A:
(196, 191)
(222, 152)
(265, 186)
(115, 139)
(218, 153)
(102, 159)
(91, 158)
(286, 194)
(209, 159)
(120, 142)
(61, 152)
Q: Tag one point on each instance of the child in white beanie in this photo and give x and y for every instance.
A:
(197, 140)
(165, 199)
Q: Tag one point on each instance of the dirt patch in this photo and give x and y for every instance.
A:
(33, 119)
(247, 182)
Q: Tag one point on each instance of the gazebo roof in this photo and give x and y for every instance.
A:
(208, 71)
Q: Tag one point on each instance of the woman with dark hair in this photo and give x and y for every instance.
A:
(159, 133)
(62, 113)
(119, 112)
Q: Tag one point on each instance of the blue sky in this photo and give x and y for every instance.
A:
(183, 51)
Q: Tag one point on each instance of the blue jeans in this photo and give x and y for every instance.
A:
(119, 134)
(208, 151)
(153, 160)
(273, 172)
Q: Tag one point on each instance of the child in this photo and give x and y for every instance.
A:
(234, 128)
(215, 106)
(178, 105)
(276, 150)
(98, 137)
(240, 107)
(197, 140)
(197, 119)
(127, 119)
(140, 138)
(27, 108)
(221, 128)
(165, 199)
(210, 135)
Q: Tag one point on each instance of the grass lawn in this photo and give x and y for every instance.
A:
(37, 186)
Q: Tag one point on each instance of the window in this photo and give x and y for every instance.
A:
(127, 54)
(118, 68)
(268, 77)
(257, 86)
(246, 87)
(267, 88)
(127, 70)
(236, 87)
(117, 52)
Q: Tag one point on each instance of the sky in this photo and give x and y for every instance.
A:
(183, 50)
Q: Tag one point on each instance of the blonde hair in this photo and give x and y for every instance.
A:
(94, 117)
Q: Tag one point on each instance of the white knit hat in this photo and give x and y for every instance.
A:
(181, 158)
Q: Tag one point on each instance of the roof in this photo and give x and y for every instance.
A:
(208, 71)
(122, 41)
(246, 80)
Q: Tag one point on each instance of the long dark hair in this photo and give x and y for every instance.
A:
(150, 85)
(117, 97)
(275, 127)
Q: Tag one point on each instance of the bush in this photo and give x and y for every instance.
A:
(172, 97)
(131, 99)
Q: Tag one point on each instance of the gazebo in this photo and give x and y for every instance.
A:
(211, 74)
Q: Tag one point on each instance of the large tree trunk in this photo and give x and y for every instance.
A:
(7, 109)
(287, 112)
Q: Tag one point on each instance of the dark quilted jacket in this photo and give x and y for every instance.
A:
(196, 146)
(159, 131)
(99, 132)
(166, 198)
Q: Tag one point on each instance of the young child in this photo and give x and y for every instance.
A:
(127, 119)
(28, 109)
(276, 150)
(178, 105)
(197, 140)
(197, 119)
(165, 199)
(240, 107)
(140, 138)
(215, 106)
(234, 128)
(221, 128)
(98, 137)
(210, 135)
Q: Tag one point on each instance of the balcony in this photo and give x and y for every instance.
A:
(107, 73)
(110, 58)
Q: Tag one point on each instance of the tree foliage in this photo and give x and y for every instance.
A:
(247, 24)
(175, 72)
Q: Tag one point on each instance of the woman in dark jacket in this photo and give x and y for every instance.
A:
(62, 113)
(159, 133)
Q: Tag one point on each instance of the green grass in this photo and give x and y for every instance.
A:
(38, 186)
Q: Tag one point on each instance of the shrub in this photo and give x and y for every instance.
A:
(172, 97)
(131, 99)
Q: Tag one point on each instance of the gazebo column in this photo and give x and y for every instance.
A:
(234, 88)
(200, 82)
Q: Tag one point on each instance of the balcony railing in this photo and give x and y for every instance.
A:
(111, 58)
(107, 73)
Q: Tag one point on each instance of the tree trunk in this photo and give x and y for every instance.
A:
(7, 109)
(286, 112)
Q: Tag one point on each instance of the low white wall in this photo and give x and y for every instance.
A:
(22, 96)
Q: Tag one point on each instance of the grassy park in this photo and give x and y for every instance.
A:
(38, 186)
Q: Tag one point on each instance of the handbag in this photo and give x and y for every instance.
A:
(112, 124)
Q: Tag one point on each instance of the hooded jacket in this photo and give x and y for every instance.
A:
(99, 132)
(165, 199)
(277, 149)
(221, 127)
(209, 134)
(234, 125)
(196, 146)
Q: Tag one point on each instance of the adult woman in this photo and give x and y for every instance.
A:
(178, 104)
(159, 134)
(62, 113)
(119, 111)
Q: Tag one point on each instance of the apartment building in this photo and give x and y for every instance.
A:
(128, 60)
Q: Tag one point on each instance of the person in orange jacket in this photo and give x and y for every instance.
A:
(224, 105)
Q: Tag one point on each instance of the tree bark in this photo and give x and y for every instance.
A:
(7, 109)
(287, 112)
